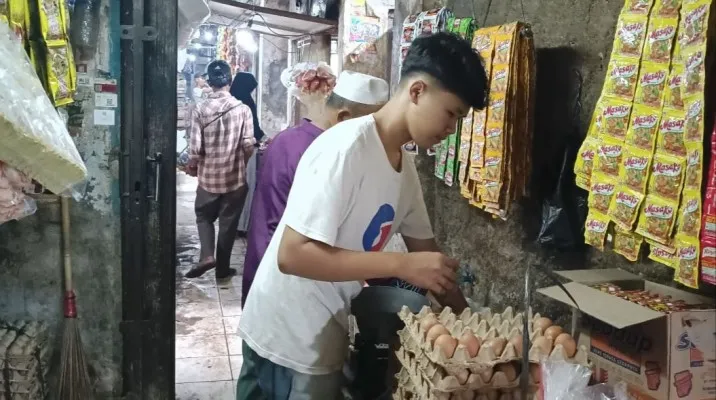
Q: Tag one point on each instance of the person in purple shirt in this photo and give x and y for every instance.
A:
(349, 99)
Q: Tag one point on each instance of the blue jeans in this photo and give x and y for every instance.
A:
(261, 379)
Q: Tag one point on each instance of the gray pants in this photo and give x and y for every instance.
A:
(225, 207)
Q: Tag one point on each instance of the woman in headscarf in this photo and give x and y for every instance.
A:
(244, 84)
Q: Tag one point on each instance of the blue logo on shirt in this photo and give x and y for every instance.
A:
(378, 231)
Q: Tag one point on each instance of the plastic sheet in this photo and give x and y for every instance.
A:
(309, 82)
(14, 204)
(565, 381)
(34, 138)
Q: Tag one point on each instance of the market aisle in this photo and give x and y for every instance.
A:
(208, 351)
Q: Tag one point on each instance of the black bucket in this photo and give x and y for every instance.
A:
(376, 311)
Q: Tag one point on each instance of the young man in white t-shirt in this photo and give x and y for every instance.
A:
(353, 189)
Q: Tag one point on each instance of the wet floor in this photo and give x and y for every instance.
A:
(208, 351)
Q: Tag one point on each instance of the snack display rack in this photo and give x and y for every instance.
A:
(643, 159)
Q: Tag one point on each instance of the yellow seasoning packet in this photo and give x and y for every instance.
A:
(689, 221)
(637, 7)
(503, 49)
(652, 83)
(694, 23)
(490, 192)
(601, 191)
(583, 182)
(687, 264)
(657, 218)
(496, 111)
(671, 133)
(694, 71)
(672, 91)
(694, 169)
(494, 136)
(643, 125)
(624, 207)
(609, 157)
(595, 229)
(622, 76)
(634, 171)
(667, 176)
(477, 153)
(585, 157)
(627, 244)
(662, 255)
(59, 76)
(694, 122)
(500, 78)
(479, 122)
(630, 34)
(615, 118)
(660, 39)
(666, 8)
(52, 24)
(493, 167)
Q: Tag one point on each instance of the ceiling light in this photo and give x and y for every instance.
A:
(245, 40)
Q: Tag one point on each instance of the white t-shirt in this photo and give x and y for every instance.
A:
(345, 194)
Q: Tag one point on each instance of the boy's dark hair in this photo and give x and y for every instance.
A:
(452, 62)
(218, 74)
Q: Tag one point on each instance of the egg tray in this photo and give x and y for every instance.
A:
(505, 325)
(414, 387)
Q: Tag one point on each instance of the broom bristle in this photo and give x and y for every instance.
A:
(74, 383)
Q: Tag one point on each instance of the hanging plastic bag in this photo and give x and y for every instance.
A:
(562, 380)
(309, 82)
(14, 204)
(564, 212)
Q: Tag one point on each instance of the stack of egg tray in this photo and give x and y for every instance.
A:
(24, 358)
(427, 374)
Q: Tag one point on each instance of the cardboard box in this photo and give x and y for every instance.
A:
(659, 356)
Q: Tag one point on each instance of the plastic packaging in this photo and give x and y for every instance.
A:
(84, 29)
(35, 141)
(14, 204)
(566, 381)
(309, 82)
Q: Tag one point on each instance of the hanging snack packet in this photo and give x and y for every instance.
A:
(667, 176)
(694, 72)
(666, 8)
(634, 172)
(630, 34)
(595, 229)
(503, 49)
(694, 23)
(708, 261)
(52, 20)
(662, 255)
(496, 111)
(477, 152)
(657, 218)
(625, 207)
(672, 92)
(652, 82)
(671, 133)
(609, 157)
(585, 158)
(694, 122)
(615, 118)
(622, 76)
(687, 267)
(494, 137)
(689, 221)
(694, 167)
(643, 125)
(493, 167)
(601, 192)
(637, 7)
(660, 40)
(490, 192)
(500, 78)
(59, 74)
(627, 243)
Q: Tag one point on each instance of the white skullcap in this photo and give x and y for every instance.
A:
(362, 88)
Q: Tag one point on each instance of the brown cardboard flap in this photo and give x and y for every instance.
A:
(605, 307)
(590, 276)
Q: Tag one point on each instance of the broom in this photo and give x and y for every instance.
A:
(74, 381)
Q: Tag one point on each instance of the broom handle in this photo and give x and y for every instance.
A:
(66, 243)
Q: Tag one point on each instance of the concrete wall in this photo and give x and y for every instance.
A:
(569, 34)
(30, 255)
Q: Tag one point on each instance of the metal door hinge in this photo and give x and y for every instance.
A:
(146, 33)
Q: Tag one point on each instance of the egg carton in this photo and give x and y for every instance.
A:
(412, 336)
(412, 387)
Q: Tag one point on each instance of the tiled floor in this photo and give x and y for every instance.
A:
(208, 351)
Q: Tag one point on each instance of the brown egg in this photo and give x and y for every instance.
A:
(568, 343)
(471, 343)
(544, 344)
(428, 322)
(541, 324)
(509, 370)
(447, 344)
(462, 376)
(553, 331)
(486, 375)
(517, 344)
(497, 345)
(434, 332)
(535, 373)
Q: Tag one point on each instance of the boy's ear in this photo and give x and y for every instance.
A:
(344, 115)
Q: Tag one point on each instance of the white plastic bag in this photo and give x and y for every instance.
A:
(309, 82)
(562, 380)
(33, 137)
(14, 204)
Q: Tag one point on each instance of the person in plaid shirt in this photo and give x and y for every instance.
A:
(222, 140)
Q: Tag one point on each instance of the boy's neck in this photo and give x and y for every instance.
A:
(392, 129)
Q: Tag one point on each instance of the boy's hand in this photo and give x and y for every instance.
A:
(435, 272)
